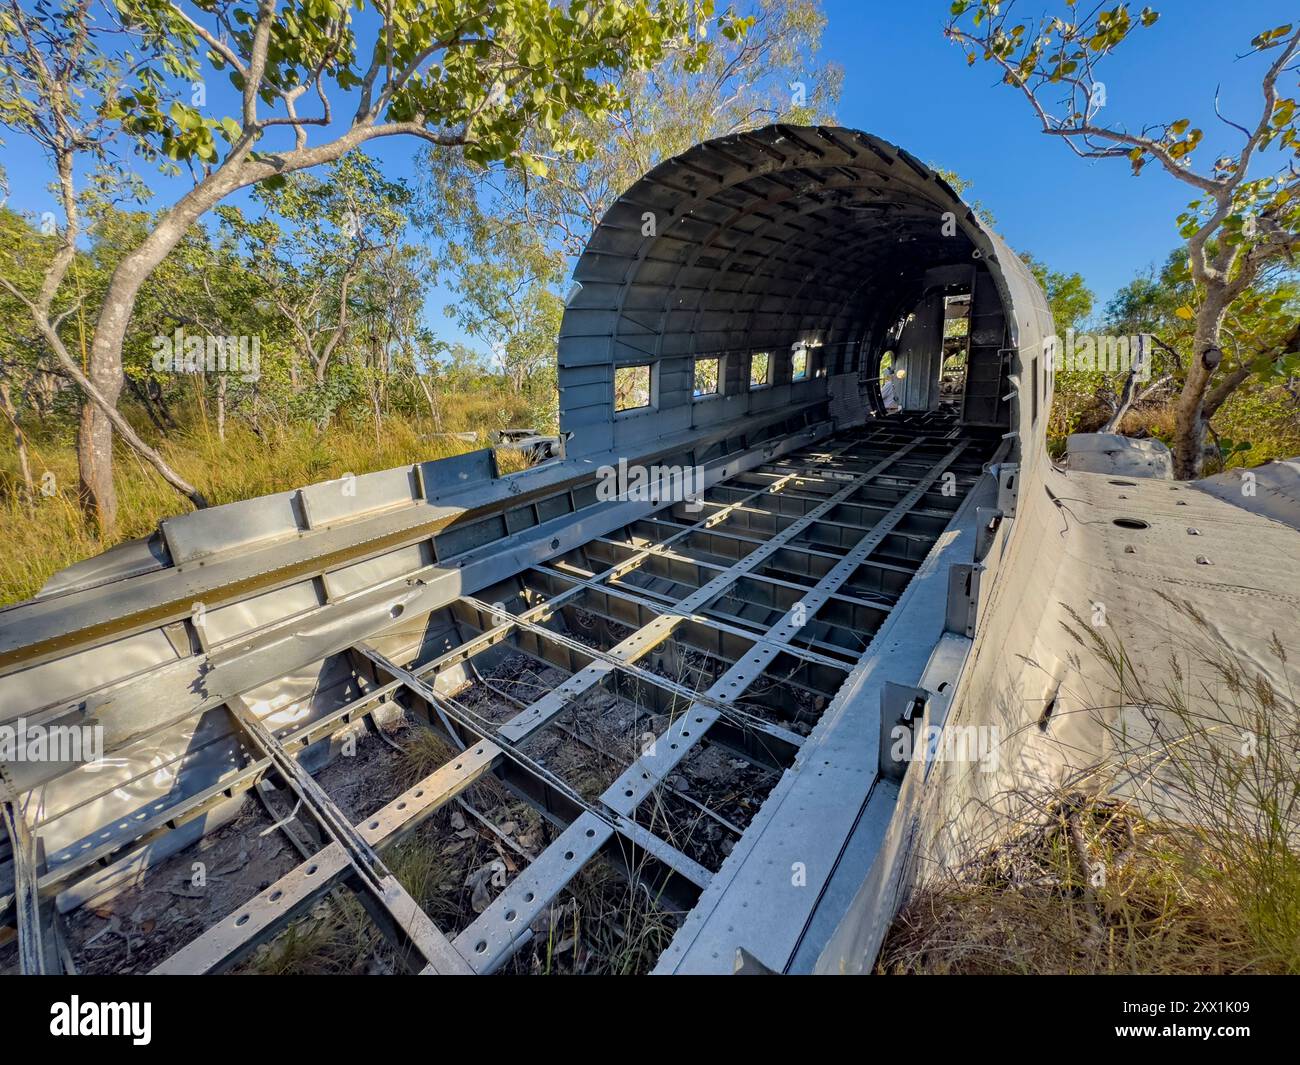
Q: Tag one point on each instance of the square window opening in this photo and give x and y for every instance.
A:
(799, 365)
(708, 374)
(631, 387)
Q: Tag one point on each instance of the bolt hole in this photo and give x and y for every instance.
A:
(1131, 523)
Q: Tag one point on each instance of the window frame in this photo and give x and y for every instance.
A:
(720, 380)
(641, 408)
(795, 377)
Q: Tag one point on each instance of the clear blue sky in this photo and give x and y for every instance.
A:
(904, 82)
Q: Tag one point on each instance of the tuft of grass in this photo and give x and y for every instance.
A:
(423, 752)
(1196, 870)
(340, 938)
(1096, 889)
(1220, 768)
(605, 923)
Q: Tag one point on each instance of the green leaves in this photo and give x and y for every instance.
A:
(734, 28)
(1110, 29)
(186, 118)
(478, 74)
(1068, 295)
(1228, 448)
(1051, 50)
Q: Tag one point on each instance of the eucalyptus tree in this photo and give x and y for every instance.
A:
(1244, 219)
(312, 80)
(510, 234)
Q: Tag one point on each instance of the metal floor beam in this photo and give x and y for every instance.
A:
(490, 939)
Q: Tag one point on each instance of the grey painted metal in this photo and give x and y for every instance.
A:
(842, 934)
(832, 811)
(759, 242)
(269, 544)
(647, 841)
(31, 948)
(901, 706)
(779, 236)
(593, 582)
(397, 914)
(492, 936)
(231, 939)
(167, 697)
(627, 664)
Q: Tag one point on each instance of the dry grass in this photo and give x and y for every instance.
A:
(339, 937)
(1098, 889)
(54, 536)
(423, 752)
(1198, 873)
(603, 923)
(1266, 416)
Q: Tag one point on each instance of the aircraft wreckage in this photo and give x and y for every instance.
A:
(697, 692)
